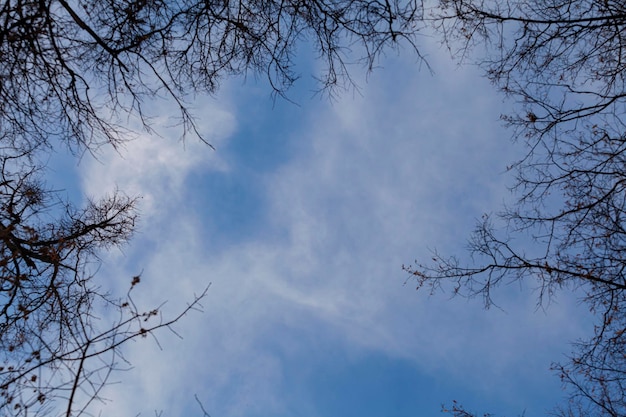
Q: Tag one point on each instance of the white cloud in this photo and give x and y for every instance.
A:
(379, 179)
(155, 166)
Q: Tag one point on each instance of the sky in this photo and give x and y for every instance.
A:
(301, 220)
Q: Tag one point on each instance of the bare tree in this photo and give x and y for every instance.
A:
(77, 70)
(56, 349)
(564, 62)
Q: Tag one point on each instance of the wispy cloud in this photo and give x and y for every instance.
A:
(156, 166)
(379, 179)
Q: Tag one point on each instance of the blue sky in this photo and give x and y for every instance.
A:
(301, 220)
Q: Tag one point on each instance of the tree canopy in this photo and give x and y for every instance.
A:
(77, 70)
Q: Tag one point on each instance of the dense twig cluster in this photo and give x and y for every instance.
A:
(76, 70)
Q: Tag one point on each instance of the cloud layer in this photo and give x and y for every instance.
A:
(373, 182)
